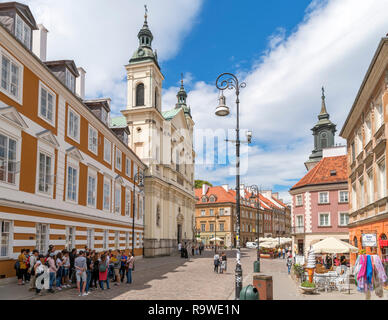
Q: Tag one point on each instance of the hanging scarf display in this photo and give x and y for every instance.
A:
(370, 274)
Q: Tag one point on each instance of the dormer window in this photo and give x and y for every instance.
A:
(204, 199)
(212, 199)
(23, 32)
(70, 80)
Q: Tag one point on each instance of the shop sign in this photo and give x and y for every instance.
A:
(369, 240)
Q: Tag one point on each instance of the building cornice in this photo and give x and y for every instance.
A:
(319, 187)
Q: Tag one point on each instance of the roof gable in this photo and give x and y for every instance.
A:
(321, 173)
(12, 116)
(48, 137)
(74, 153)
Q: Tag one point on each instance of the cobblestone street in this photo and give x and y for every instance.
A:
(173, 278)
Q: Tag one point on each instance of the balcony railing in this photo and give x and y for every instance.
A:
(297, 230)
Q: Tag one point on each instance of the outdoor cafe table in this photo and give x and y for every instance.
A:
(329, 279)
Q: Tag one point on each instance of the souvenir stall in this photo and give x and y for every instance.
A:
(370, 275)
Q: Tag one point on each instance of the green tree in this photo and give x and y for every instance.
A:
(198, 183)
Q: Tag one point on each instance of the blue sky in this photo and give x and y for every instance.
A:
(284, 50)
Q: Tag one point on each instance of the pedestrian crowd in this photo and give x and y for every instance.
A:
(84, 269)
(196, 249)
(220, 262)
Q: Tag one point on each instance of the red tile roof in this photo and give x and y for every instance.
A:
(321, 173)
(220, 193)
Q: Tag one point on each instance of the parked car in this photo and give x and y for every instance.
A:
(251, 245)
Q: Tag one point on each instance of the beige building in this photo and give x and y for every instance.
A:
(164, 142)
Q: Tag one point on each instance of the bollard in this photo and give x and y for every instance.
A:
(256, 266)
(264, 286)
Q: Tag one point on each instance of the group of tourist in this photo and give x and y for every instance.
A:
(196, 249)
(220, 262)
(85, 269)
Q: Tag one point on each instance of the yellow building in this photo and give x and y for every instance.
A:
(66, 177)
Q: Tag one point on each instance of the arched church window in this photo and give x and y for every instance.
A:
(158, 215)
(140, 95)
(156, 97)
(324, 140)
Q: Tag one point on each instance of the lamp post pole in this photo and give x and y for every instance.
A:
(230, 81)
(138, 176)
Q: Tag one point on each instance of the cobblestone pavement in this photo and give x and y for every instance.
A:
(174, 278)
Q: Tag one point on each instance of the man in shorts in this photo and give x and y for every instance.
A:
(80, 272)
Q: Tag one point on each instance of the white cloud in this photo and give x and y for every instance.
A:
(332, 46)
(101, 36)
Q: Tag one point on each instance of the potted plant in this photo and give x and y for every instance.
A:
(308, 287)
(298, 270)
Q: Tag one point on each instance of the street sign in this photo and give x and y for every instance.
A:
(369, 240)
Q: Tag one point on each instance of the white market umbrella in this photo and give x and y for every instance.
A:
(333, 245)
(269, 244)
(216, 239)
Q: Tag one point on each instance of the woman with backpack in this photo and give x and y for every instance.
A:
(103, 272)
(216, 262)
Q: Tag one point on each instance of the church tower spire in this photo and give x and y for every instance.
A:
(144, 51)
(324, 134)
(182, 99)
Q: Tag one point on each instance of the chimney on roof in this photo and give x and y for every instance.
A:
(226, 187)
(205, 188)
(39, 42)
(80, 83)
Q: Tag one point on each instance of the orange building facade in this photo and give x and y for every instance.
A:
(66, 176)
(365, 131)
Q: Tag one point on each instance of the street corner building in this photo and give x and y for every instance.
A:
(320, 204)
(364, 130)
(262, 215)
(163, 140)
(66, 176)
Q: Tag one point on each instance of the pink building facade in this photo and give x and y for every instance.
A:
(320, 205)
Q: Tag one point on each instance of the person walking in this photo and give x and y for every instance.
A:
(89, 267)
(223, 261)
(116, 260)
(52, 269)
(72, 256)
(80, 273)
(21, 267)
(59, 275)
(103, 272)
(66, 269)
(95, 271)
(279, 252)
(33, 259)
(192, 249)
(28, 274)
(123, 269)
(216, 262)
(284, 253)
(289, 264)
(130, 267)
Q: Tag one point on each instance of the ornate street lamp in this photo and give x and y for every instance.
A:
(139, 177)
(230, 81)
(255, 193)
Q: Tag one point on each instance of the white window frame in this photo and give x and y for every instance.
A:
(297, 202)
(128, 202)
(328, 197)
(211, 212)
(117, 205)
(70, 242)
(203, 213)
(46, 153)
(382, 178)
(221, 211)
(69, 133)
(128, 165)
(203, 227)
(361, 191)
(92, 174)
(74, 167)
(90, 238)
(379, 116)
(15, 184)
(26, 33)
(39, 240)
(109, 183)
(93, 148)
(8, 247)
(70, 80)
(368, 128)
(359, 145)
(7, 91)
(127, 242)
(339, 196)
(339, 219)
(370, 186)
(319, 219)
(119, 159)
(42, 86)
(106, 144)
